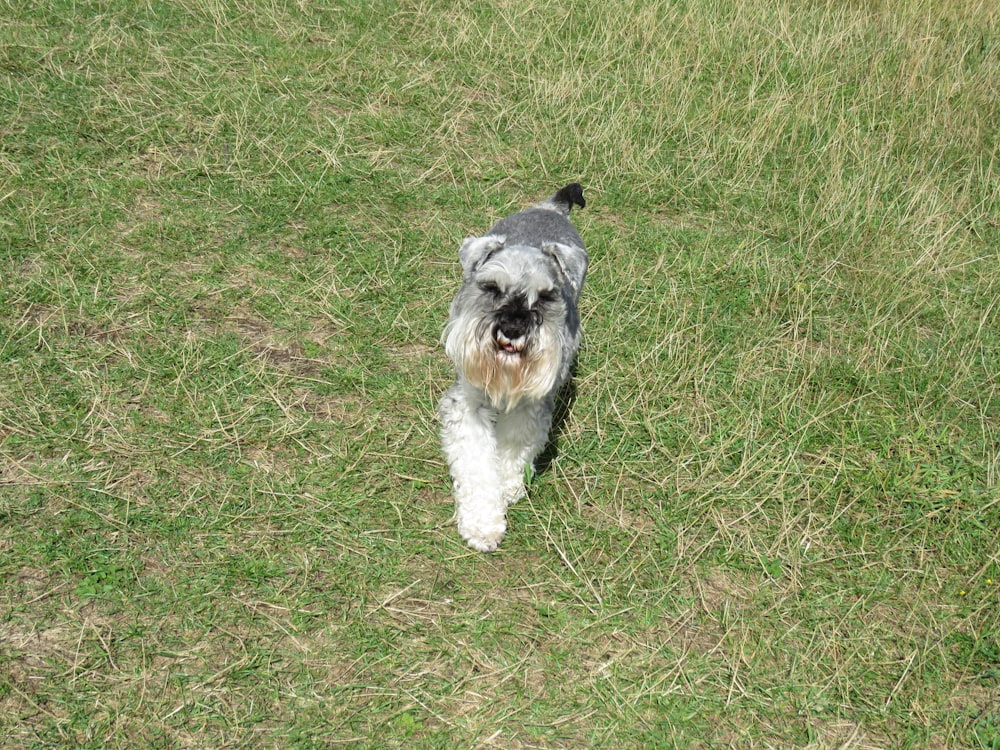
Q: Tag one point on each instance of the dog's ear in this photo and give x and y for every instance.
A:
(476, 250)
(572, 261)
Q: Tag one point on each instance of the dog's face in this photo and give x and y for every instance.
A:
(513, 323)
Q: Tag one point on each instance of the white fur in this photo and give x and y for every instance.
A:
(488, 451)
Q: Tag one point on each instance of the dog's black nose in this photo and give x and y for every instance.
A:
(514, 322)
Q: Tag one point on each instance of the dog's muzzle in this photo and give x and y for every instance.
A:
(511, 333)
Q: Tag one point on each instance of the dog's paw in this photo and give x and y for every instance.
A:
(514, 493)
(483, 537)
(485, 543)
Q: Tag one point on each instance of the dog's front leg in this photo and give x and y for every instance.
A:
(470, 445)
(521, 436)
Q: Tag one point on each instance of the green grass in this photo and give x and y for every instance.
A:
(228, 240)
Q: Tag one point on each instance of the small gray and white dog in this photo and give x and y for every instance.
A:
(513, 334)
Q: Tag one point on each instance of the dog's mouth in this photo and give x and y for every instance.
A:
(508, 346)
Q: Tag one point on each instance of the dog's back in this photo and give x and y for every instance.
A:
(544, 222)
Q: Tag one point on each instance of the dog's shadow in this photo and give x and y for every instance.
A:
(564, 403)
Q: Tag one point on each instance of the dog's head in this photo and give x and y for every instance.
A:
(514, 325)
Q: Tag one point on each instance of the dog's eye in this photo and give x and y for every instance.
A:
(490, 288)
(546, 297)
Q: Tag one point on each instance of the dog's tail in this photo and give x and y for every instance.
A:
(565, 198)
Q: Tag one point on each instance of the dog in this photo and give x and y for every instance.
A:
(513, 334)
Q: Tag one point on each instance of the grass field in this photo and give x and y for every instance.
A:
(228, 240)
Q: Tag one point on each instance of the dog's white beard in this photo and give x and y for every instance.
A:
(505, 378)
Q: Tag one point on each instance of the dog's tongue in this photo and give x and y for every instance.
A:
(506, 344)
